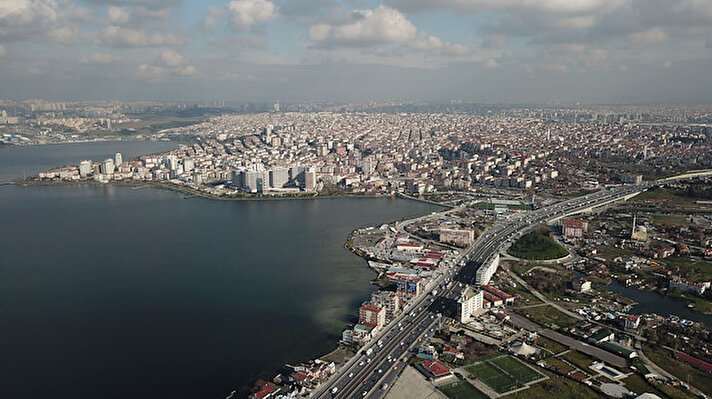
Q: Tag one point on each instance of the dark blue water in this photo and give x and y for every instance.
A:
(112, 292)
(652, 302)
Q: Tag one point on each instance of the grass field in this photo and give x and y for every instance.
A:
(556, 387)
(547, 315)
(559, 364)
(493, 377)
(581, 360)
(681, 370)
(638, 384)
(552, 346)
(537, 245)
(462, 390)
(517, 369)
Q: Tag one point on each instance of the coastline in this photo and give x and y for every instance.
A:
(96, 140)
(191, 192)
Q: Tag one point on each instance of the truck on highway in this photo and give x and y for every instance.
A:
(335, 390)
(369, 351)
(435, 292)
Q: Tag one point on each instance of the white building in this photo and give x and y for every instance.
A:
(107, 167)
(487, 270)
(278, 177)
(85, 168)
(469, 302)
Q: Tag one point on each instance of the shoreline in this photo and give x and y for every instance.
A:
(193, 193)
(97, 140)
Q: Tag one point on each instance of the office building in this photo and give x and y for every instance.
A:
(470, 301)
(85, 168)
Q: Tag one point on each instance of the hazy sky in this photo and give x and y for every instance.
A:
(358, 50)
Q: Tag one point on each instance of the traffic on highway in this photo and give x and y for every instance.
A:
(376, 367)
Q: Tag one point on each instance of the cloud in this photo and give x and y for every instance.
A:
(473, 6)
(126, 37)
(248, 41)
(187, 70)
(170, 58)
(96, 58)
(246, 15)
(650, 36)
(117, 15)
(150, 71)
(495, 41)
(211, 20)
(168, 62)
(143, 3)
(2, 50)
(380, 25)
(64, 35)
(27, 20)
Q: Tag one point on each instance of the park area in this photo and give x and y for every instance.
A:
(537, 245)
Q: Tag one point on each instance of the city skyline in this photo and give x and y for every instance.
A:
(513, 51)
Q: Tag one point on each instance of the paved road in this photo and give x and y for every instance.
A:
(360, 377)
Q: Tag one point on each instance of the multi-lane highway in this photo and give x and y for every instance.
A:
(374, 369)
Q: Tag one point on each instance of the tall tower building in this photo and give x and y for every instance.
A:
(118, 159)
(85, 168)
(107, 167)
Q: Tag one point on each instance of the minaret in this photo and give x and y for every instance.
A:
(632, 233)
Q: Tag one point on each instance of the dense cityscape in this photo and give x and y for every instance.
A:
(545, 305)
(344, 199)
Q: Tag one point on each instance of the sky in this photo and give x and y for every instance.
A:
(490, 51)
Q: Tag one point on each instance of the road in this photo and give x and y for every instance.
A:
(365, 375)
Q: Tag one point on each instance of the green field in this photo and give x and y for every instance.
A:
(517, 369)
(552, 346)
(668, 220)
(462, 390)
(685, 372)
(549, 315)
(559, 364)
(537, 245)
(581, 360)
(493, 377)
(556, 387)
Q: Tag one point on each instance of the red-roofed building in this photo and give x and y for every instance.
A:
(436, 369)
(495, 300)
(372, 314)
(265, 390)
(508, 299)
(574, 228)
(700, 364)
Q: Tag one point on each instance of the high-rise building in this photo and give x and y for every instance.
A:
(107, 167)
(276, 107)
(255, 179)
(118, 159)
(487, 270)
(469, 302)
(278, 177)
(85, 168)
(310, 180)
(389, 300)
(188, 165)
